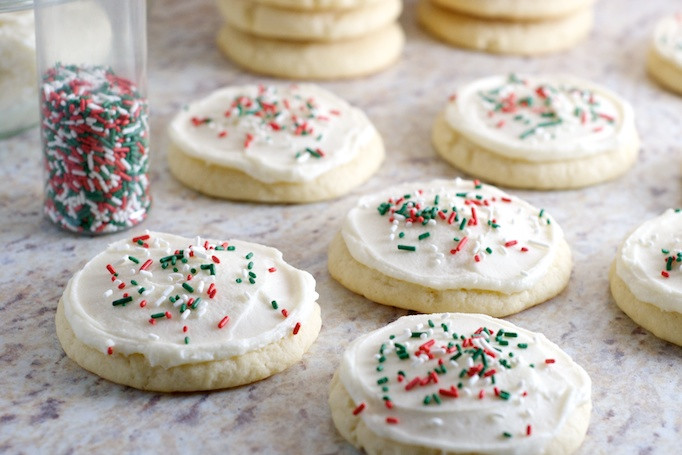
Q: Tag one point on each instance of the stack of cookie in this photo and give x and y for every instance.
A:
(311, 39)
(525, 27)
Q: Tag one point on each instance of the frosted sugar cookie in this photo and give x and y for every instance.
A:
(165, 313)
(317, 5)
(665, 56)
(352, 57)
(528, 37)
(459, 384)
(450, 245)
(294, 143)
(321, 25)
(515, 9)
(539, 132)
(646, 276)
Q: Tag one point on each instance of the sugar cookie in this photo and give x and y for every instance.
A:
(161, 312)
(459, 384)
(505, 36)
(288, 143)
(353, 57)
(322, 25)
(646, 276)
(515, 9)
(665, 56)
(538, 132)
(450, 245)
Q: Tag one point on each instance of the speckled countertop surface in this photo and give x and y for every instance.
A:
(49, 404)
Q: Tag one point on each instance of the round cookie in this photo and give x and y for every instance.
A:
(539, 132)
(664, 62)
(165, 313)
(646, 276)
(318, 5)
(327, 25)
(515, 9)
(505, 36)
(459, 384)
(289, 143)
(355, 57)
(450, 245)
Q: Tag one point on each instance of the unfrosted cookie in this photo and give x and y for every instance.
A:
(165, 313)
(646, 276)
(459, 384)
(505, 36)
(450, 245)
(538, 132)
(665, 56)
(317, 25)
(353, 57)
(515, 9)
(318, 5)
(285, 143)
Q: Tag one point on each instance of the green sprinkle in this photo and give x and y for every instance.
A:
(195, 304)
(522, 345)
(424, 235)
(489, 250)
(183, 307)
(401, 235)
(431, 324)
(274, 304)
(504, 395)
(122, 301)
(380, 368)
(238, 280)
(383, 380)
(436, 398)
(231, 248)
(134, 259)
(158, 315)
(249, 256)
(507, 434)
(462, 224)
(407, 247)
(436, 200)
(251, 280)
(511, 334)
(417, 334)
(188, 287)
(186, 340)
(250, 265)
(427, 399)
(141, 290)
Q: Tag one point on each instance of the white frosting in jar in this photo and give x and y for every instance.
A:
(540, 118)
(463, 383)
(668, 38)
(248, 279)
(453, 234)
(290, 133)
(18, 83)
(649, 261)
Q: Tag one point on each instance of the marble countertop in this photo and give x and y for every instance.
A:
(49, 404)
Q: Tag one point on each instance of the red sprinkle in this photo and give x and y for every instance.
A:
(111, 269)
(392, 420)
(215, 259)
(110, 350)
(272, 270)
(550, 361)
(146, 264)
(665, 274)
(169, 315)
(223, 322)
(143, 304)
(297, 327)
(285, 313)
(184, 328)
(529, 430)
(359, 409)
(510, 243)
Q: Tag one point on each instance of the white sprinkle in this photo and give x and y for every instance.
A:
(108, 292)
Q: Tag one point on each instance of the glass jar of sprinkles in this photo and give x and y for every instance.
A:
(18, 94)
(94, 115)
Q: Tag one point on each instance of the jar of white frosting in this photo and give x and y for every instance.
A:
(92, 97)
(18, 87)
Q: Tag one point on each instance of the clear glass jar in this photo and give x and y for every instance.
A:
(92, 58)
(18, 90)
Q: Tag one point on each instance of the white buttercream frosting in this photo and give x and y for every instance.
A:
(668, 38)
(248, 279)
(453, 234)
(18, 83)
(282, 133)
(463, 383)
(649, 261)
(540, 118)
